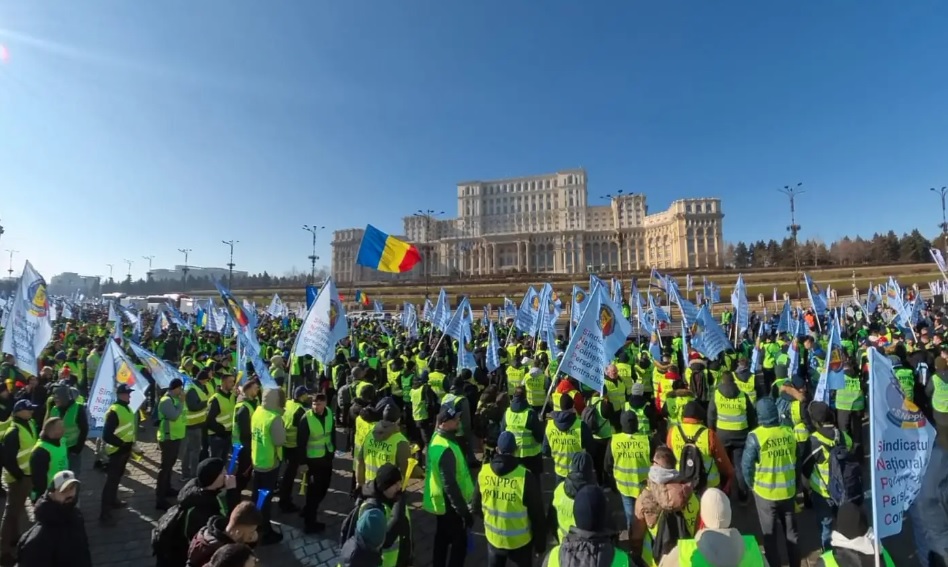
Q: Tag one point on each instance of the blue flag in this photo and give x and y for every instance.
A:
(493, 357)
(832, 377)
(311, 293)
(529, 311)
(602, 330)
(707, 337)
(161, 372)
(817, 297)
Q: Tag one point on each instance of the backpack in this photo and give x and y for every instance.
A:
(348, 528)
(167, 537)
(845, 481)
(691, 462)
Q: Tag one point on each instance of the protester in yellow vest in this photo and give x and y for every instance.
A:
(293, 453)
(566, 435)
(118, 435)
(815, 467)
(716, 543)
(196, 396)
(769, 466)
(220, 418)
(511, 501)
(449, 491)
(241, 438)
(731, 415)
(316, 438)
(172, 424)
(386, 444)
(560, 517)
(516, 372)
(627, 461)
(588, 542)
(48, 457)
(268, 435)
(75, 422)
(717, 465)
(523, 422)
(385, 493)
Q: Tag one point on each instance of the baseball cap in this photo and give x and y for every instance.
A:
(123, 389)
(448, 411)
(24, 405)
(63, 480)
(301, 391)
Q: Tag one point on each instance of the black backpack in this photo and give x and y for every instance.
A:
(167, 537)
(691, 462)
(348, 528)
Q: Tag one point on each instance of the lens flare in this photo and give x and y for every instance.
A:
(4, 54)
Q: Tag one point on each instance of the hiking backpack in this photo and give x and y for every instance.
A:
(348, 527)
(691, 462)
(845, 471)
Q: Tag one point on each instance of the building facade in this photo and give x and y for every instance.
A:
(68, 283)
(545, 224)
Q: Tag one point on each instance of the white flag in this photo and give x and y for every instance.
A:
(28, 329)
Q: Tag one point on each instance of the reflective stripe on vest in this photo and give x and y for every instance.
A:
(171, 430)
(225, 406)
(27, 437)
(800, 432)
(535, 387)
(563, 445)
(632, 458)
(362, 430)
(289, 412)
(70, 424)
(320, 439)
(645, 426)
(263, 453)
(506, 524)
(433, 495)
(850, 397)
(775, 472)
(126, 426)
(515, 378)
(516, 422)
(198, 417)
(378, 452)
(821, 472)
(732, 412)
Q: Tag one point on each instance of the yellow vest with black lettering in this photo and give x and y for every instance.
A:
(171, 430)
(515, 378)
(263, 453)
(320, 438)
(58, 460)
(565, 519)
(433, 500)
(775, 470)
(631, 456)
(619, 558)
(747, 387)
(703, 442)
(362, 430)
(690, 556)
(535, 387)
(732, 412)
(645, 426)
(851, 397)
(506, 523)
(376, 452)
(126, 428)
(289, 411)
(516, 422)
(563, 445)
(198, 417)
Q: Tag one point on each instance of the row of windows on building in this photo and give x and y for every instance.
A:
(532, 185)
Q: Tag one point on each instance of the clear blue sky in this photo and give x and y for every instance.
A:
(138, 127)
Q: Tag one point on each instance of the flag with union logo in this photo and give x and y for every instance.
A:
(601, 331)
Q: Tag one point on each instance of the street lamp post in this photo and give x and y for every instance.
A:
(129, 262)
(944, 223)
(230, 265)
(111, 267)
(312, 259)
(427, 214)
(791, 191)
(184, 269)
(10, 269)
(148, 273)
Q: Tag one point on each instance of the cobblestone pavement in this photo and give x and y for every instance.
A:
(129, 545)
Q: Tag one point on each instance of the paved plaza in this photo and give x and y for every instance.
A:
(128, 544)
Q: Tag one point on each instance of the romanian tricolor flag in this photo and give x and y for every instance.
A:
(384, 253)
(362, 298)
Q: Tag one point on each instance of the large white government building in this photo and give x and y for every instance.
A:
(544, 224)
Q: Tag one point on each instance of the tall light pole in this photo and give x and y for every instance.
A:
(1, 230)
(944, 223)
(129, 262)
(619, 235)
(427, 214)
(312, 259)
(10, 269)
(148, 273)
(230, 265)
(184, 269)
(792, 191)
(111, 267)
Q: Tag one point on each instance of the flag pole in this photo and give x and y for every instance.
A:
(876, 545)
